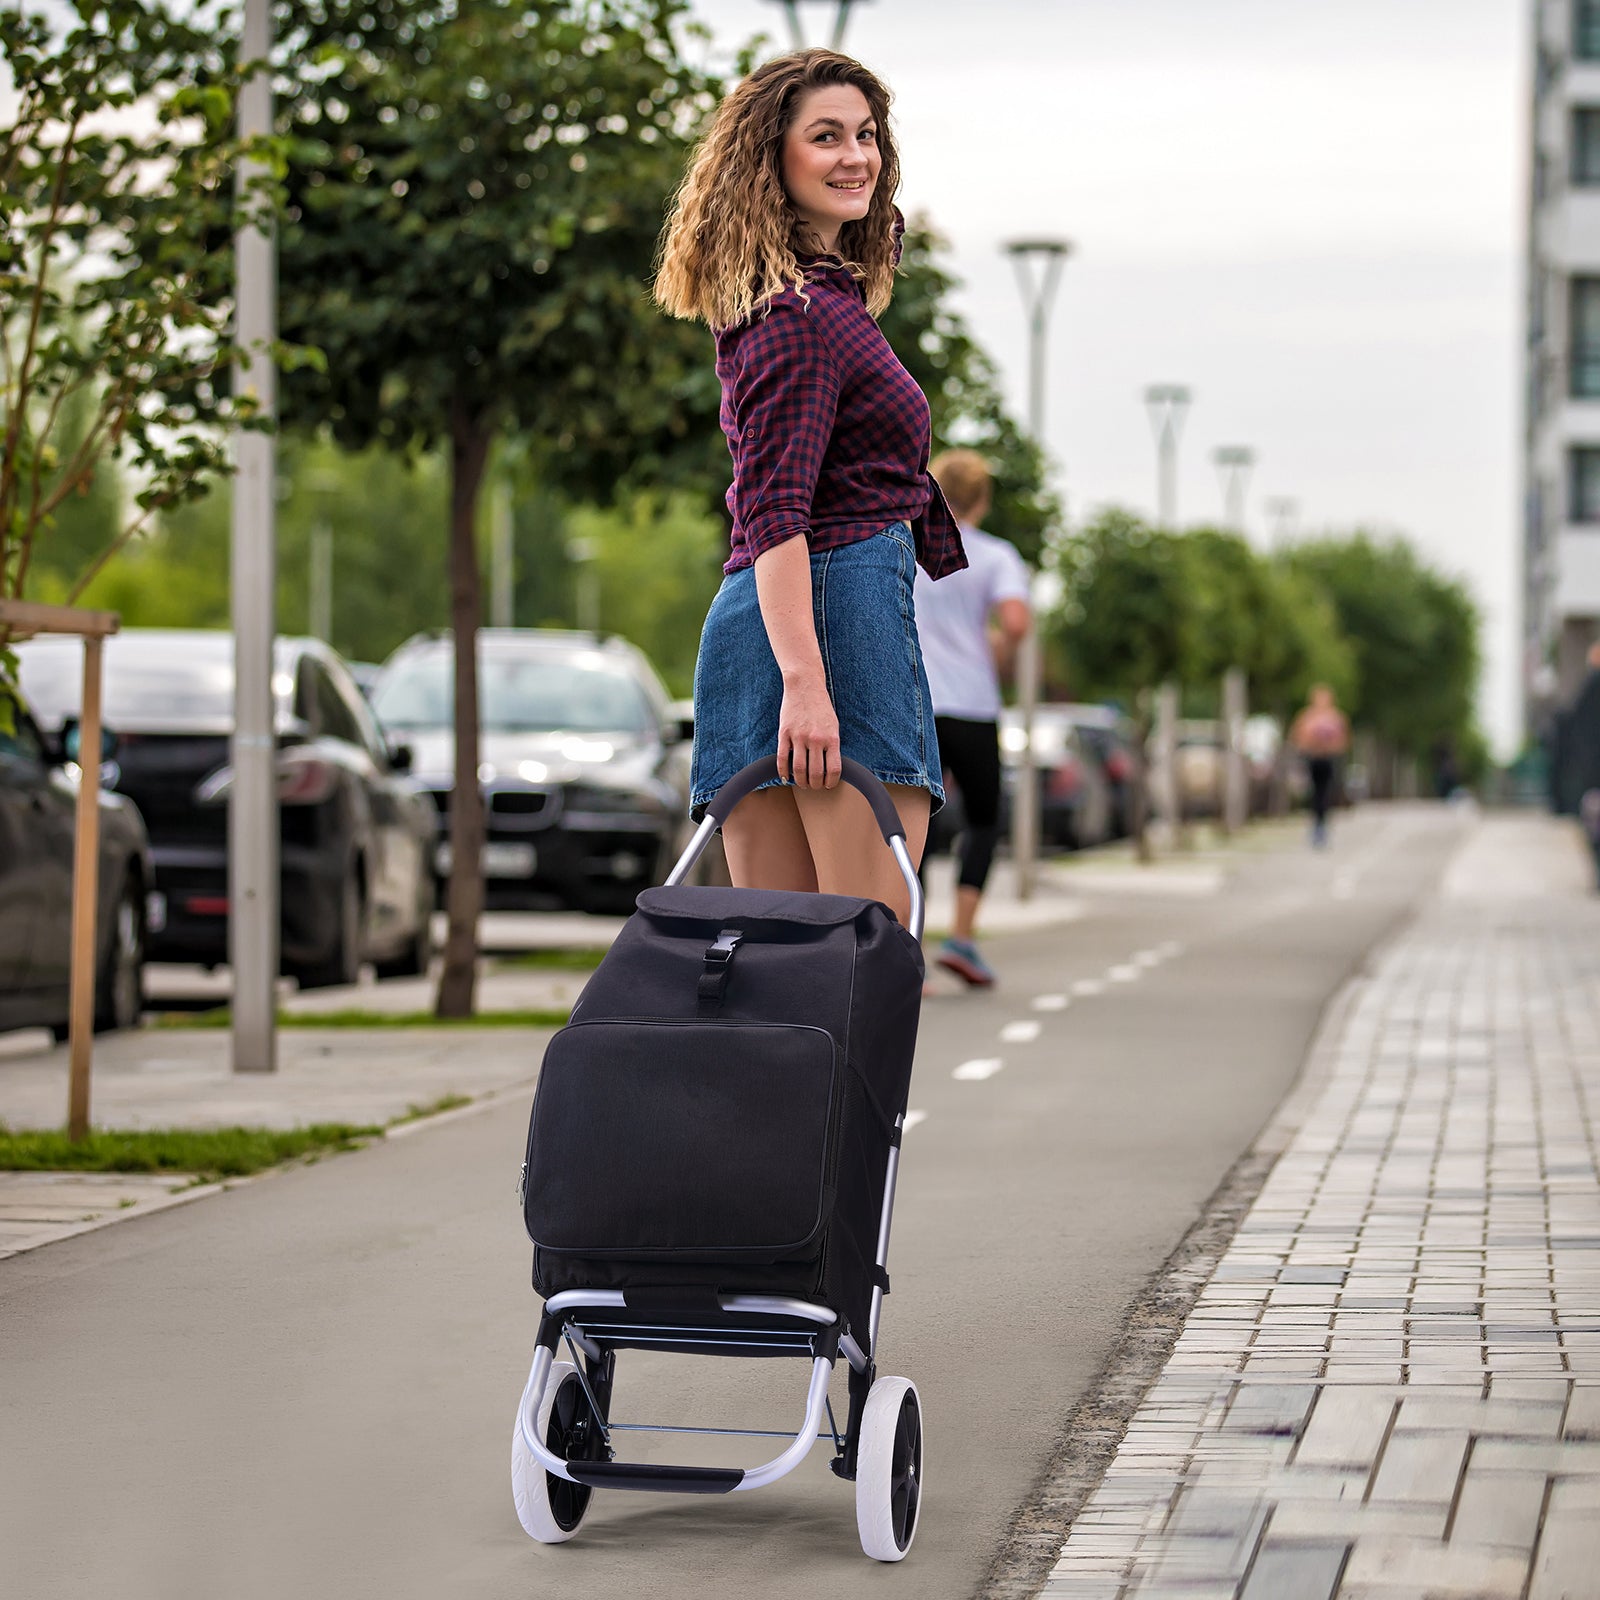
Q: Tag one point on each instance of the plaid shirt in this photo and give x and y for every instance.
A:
(829, 433)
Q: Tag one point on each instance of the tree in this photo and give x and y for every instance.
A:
(1413, 636)
(116, 203)
(936, 347)
(474, 191)
(1128, 622)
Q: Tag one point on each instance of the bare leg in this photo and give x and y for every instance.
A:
(766, 845)
(849, 852)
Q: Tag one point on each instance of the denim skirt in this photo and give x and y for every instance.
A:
(867, 632)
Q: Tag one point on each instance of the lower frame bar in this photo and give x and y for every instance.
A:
(641, 1475)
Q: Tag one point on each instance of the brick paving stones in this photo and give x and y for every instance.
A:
(1390, 1387)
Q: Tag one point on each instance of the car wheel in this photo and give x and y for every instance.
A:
(119, 987)
(342, 964)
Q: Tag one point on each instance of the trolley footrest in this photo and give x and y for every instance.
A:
(662, 1479)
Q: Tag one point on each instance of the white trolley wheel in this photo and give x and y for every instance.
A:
(889, 1469)
(550, 1508)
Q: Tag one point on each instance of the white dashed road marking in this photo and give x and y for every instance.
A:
(977, 1071)
(1125, 974)
(1020, 1032)
(1050, 1002)
(1147, 958)
(1170, 949)
(913, 1118)
(1085, 987)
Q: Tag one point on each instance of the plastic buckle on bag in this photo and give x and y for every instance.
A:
(714, 980)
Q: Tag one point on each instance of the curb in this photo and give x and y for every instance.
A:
(201, 1191)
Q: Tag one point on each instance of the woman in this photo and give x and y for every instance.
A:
(784, 238)
(1321, 733)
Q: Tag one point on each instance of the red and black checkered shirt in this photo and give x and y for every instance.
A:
(829, 433)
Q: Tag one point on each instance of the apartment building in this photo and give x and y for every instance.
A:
(1561, 541)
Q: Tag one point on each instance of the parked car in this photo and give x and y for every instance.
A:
(1075, 804)
(38, 825)
(356, 839)
(583, 762)
(1104, 733)
(1199, 762)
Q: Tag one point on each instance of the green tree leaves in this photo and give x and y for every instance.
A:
(1397, 641)
(117, 172)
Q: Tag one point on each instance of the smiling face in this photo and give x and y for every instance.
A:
(831, 160)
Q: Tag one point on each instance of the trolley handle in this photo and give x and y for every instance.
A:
(750, 778)
(757, 773)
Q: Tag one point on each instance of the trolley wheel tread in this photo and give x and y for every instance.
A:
(889, 1469)
(549, 1508)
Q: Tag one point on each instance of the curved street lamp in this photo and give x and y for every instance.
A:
(841, 20)
(1235, 463)
(1167, 403)
(1038, 263)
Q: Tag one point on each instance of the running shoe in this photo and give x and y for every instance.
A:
(961, 957)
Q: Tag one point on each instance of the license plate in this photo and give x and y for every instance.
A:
(499, 860)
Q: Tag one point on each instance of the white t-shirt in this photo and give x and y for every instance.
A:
(953, 625)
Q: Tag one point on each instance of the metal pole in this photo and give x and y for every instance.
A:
(253, 800)
(1166, 404)
(85, 885)
(1037, 297)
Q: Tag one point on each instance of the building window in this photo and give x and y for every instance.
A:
(1586, 30)
(1586, 145)
(1583, 356)
(1584, 504)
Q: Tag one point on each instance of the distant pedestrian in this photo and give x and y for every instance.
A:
(970, 625)
(1321, 733)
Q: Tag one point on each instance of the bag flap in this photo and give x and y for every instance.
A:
(741, 907)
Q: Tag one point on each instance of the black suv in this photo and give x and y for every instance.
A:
(356, 840)
(584, 766)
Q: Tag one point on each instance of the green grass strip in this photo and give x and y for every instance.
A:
(208, 1154)
(354, 1017)
(567, 959)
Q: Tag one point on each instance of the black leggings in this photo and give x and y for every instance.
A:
(1320, 770)
(969, 751)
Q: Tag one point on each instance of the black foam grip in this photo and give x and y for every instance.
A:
(748, 779)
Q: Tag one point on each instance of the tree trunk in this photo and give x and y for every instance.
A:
(470, 437)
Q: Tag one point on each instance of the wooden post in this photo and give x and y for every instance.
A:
(20, 619)
(85, 892)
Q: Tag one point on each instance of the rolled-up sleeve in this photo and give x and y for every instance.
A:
(784, 396)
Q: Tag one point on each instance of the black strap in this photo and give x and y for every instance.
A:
(714, 977)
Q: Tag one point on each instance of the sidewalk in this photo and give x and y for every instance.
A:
(1390, 1385)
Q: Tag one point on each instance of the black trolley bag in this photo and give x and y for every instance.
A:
(710, 1168)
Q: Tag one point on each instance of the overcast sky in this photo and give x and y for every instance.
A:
(1310, 211)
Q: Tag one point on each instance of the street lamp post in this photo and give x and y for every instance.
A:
(841, 21)
(253, 799)
(1166, 404)
(1038, 264)
(1284, 511)
(1234, 465)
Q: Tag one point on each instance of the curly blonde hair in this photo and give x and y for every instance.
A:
(732, 239)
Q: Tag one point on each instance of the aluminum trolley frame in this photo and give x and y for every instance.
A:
(595, 1323)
